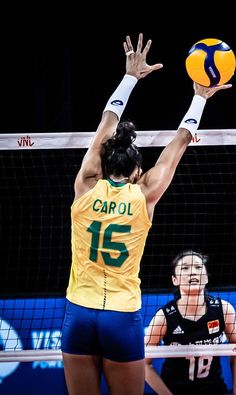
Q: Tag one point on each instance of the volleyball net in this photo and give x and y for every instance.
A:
(37, 176)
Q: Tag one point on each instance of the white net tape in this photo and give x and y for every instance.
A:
(149, 138)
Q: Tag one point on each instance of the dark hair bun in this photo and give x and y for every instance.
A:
(125, 135)
(120, 155)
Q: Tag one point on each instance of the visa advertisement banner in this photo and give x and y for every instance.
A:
(35, 324)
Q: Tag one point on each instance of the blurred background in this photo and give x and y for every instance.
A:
(58, 67)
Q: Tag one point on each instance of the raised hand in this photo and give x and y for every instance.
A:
(206, 91)
(136, 64)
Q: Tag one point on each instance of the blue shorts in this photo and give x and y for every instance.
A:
(113, 335)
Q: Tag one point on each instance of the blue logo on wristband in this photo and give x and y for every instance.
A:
(190, 120)
(117, 103)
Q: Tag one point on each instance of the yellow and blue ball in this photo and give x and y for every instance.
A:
(210, 62)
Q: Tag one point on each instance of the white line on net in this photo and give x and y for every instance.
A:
(150, 352)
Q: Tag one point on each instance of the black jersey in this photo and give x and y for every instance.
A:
(192, 375)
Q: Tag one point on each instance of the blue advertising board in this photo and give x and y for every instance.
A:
(36, 324)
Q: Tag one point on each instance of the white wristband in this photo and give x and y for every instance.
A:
(193, 116)
(119, 98)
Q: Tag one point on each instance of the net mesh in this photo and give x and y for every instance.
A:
(36, 191)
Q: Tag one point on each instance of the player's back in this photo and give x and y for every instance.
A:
(109, 229)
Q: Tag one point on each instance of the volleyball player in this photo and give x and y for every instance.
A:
(111, 216)
(194, 317)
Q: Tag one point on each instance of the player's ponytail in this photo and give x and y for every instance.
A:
(120, 155)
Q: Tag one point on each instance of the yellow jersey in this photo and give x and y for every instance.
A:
(110, 225)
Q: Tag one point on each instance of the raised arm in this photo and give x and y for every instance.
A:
(136, 68)
(155, 181)
(154, 334)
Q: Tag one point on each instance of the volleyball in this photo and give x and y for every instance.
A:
(210, 62)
